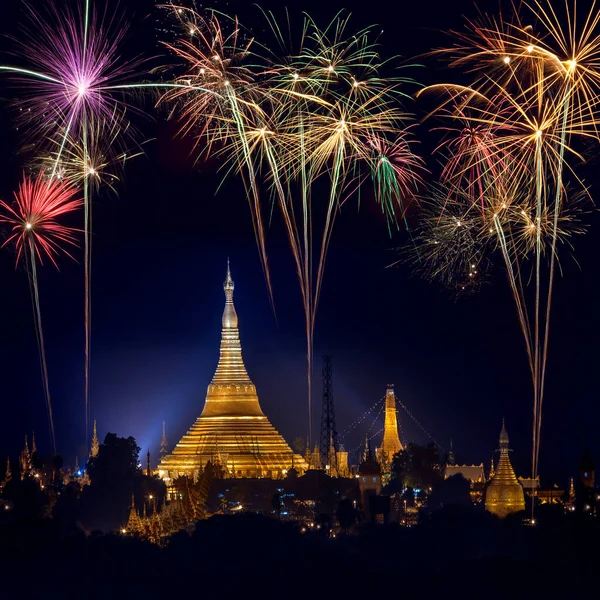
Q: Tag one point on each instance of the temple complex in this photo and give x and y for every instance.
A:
(232, 429)
(390, 444)
(504, 494)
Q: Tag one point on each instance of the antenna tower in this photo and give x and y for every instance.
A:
(328, 430)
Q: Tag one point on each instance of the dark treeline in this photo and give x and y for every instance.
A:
(456, 552)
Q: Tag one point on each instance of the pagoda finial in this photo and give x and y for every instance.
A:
(228, 285)
(230, 319)
(95, 443)
(8, 475)
(148, 469)
(503, 436)
(33, 448)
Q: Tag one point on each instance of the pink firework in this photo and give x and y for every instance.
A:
(34, 217)
(72, 65)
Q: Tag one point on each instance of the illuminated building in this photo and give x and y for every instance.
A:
(504, 494)
(232, 428)
(342, 462)
(391, 441)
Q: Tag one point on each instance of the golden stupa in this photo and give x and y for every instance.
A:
(504, 494)
(232, 428)
(391, 441)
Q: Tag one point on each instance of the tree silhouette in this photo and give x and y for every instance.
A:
(346, 514)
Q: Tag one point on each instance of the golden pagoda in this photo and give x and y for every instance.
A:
(391, 441)
(504, 494)
(232, 429)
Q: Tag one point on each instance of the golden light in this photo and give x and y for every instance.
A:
(355, 84)
(216, 57)
(506, 60)
(330, 68)
(571, 64)
(123, 531)
(151, 496)
(227, 82)
(91, 171)
(202, 71)
(296, 76)
(538, 133)
(28, 225)
(530, 49)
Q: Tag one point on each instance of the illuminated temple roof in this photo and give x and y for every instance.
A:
(232, 428)
(504, 494)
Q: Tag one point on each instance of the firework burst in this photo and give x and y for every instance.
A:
(36, 231)
(535, 93)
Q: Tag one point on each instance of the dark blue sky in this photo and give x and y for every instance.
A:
(160, 251)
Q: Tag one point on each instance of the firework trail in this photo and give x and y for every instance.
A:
(37, 233)
(68, 99)
(511, 142)
(317, 112)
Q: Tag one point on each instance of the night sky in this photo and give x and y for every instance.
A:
(159, 259)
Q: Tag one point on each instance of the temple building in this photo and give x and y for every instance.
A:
(390, 444)
(232, 429)
(504, 494)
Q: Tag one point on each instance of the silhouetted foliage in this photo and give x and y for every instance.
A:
(346, 514)
(454, 491)
(117, 461)
(417, 466)
(29, 500)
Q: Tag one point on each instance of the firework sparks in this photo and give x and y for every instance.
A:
(535, 91)
(36, 231)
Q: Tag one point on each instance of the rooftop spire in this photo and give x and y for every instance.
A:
(95, 444)
(163, 442)
(33, 447)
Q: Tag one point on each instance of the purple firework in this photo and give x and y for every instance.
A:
(72, 69)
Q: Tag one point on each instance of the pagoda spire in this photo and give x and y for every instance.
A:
(148, 469)
(231, 392)
(33, 446)
(8, 475)
(95, 444)
(163, 442)
(391, 441)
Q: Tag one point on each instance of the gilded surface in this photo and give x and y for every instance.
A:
(232, 428)
(391, 441)
(504, 494)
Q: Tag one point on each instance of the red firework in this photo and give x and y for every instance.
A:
(34, 214)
